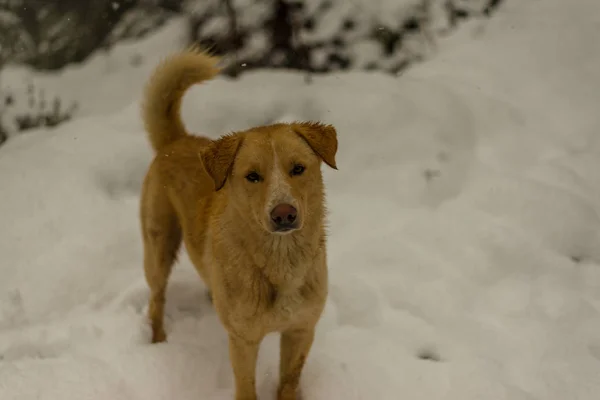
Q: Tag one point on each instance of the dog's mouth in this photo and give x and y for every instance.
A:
(282, 230)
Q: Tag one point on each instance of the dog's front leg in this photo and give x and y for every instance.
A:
(295, 346)
(243, 355)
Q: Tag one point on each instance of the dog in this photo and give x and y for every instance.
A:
(250, 208)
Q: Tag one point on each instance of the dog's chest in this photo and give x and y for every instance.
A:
(287, 302)
(292, 301)
(286, 308)
(274, 289)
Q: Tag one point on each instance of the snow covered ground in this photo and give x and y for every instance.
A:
(465, 230)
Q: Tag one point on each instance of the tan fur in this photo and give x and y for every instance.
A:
(196, 191)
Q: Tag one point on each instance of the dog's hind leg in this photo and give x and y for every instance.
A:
(162, 240)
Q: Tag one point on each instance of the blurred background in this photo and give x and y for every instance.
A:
(43, 37)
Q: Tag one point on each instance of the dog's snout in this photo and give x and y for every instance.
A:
(284, 216)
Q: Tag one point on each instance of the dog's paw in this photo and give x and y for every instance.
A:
(287, 393)
(159, 336)
(245, 396)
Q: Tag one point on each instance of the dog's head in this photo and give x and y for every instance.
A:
(273, 173)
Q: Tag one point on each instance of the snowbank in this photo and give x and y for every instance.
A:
(464, 249)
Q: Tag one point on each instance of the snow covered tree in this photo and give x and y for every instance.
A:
(136, 22)
(17, 43)
(326, 35)
(235, 28)
(49, 35)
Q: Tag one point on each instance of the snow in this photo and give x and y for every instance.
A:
(464, 248)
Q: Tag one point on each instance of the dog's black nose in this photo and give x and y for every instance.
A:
(284, 216)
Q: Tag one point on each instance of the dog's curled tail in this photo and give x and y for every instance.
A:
(165, 89)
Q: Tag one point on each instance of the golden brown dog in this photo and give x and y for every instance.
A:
(250, 208)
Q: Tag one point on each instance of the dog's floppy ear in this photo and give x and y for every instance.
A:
(321, 138)
(218, 158)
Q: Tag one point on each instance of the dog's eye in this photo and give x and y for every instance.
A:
(298, 169)
(253, 177)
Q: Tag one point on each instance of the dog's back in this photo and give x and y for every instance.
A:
(176, 189)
